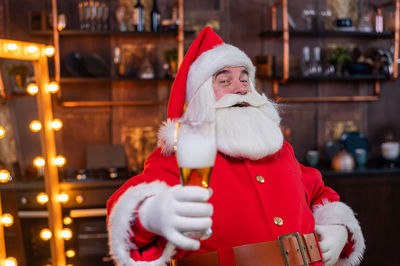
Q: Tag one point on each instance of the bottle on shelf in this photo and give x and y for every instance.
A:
(379, 21)
(316, 68)
(155, 17)
(305, 62)
(138, 18)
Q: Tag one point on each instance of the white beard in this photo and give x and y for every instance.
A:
(251, 132)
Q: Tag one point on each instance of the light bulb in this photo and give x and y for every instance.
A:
(12, 46)
(66, 233)
(45, 234)
(32, 49)
(39, 161)
(49, 50)
(10, 261)
(35, 126)
(59, 161)
(53, 87)
(42, 198)
(7, 220)
(2, 132)
(70, 253)
(32, 88)
(56, 124)
(67, 220)
(63, 197)
(4, 176)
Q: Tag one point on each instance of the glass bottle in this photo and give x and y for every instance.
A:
(316, 67)
(305, 62)
(155, 17)
(379, 21)
(138, 18)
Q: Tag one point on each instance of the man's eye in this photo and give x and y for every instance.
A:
(244, 81)
(224, 81)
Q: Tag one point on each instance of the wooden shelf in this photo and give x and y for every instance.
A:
(328, 33)
(73, 104)
(331, 78)
(105, 33)
(68, 80)
(147, 34)
(328, 99)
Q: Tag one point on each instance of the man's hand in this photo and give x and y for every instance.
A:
(176, 210)
(333, 239)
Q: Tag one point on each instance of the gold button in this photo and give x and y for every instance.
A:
(260, 179)
(278, 221)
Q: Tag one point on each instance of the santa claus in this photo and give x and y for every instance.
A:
(264, 207)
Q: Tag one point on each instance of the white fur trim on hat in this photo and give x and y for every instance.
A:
(329, 213)
(120, 221)
(211, 61)
(166, 136)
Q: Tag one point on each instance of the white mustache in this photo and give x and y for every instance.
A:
(229, 100)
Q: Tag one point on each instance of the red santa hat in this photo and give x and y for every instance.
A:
(207, 54)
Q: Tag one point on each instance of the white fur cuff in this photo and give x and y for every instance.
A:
(329, 213)
(120, 221)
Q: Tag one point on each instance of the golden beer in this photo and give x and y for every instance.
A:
(195, 176)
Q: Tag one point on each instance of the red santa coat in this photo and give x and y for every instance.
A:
(248, 197)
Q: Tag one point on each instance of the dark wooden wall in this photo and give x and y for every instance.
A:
(239, 22)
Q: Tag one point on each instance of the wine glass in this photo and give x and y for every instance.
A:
(196, 149)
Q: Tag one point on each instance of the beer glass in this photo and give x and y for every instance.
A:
(196, 149)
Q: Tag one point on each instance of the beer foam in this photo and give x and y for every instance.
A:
(196, 151)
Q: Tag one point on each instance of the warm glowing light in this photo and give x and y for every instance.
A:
(39, 161)
(32, 88)
(67, 220)
(59, 161)
(66, 233)
(42, 198)
(2, 132)
(49, 50)
(10, 261)
(4, 176)
(45, 234)
(63, 197)
(53, 87)
(32, 49)
(70, 253)
(12, 46)
(56, 124)
(7, 220)
(35, 126)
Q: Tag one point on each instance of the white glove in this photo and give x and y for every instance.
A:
(333, 239)
(176, 210)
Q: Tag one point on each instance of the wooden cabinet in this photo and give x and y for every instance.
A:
(374, 197)
(108, 108)
(86, 62)
(285, 35)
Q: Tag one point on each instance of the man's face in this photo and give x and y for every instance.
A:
(228, 80)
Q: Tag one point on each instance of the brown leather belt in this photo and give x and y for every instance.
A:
(292, 249)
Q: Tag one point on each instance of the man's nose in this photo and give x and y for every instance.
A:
(239, 88)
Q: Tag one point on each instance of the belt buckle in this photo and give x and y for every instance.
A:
(301, 246)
